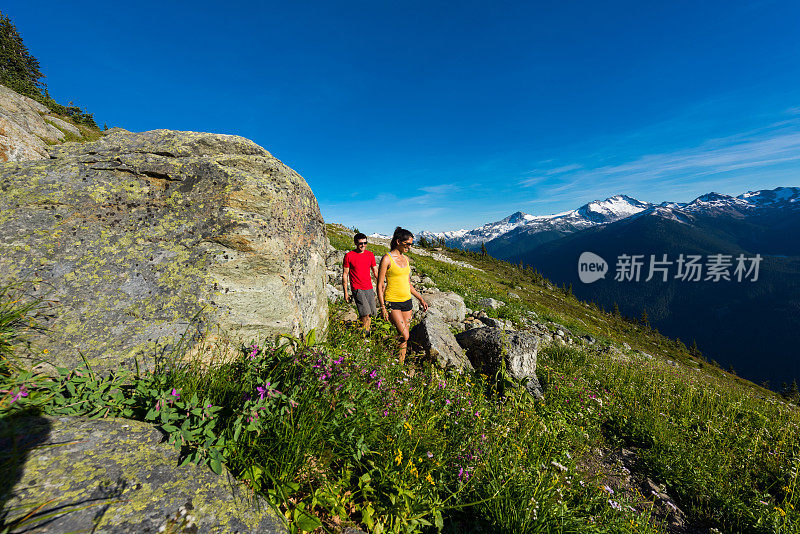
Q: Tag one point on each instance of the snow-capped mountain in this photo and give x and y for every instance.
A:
(599, 212)
(487, 232)
(591, 214)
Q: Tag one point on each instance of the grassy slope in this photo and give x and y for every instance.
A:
(339, 433)
(727, 449)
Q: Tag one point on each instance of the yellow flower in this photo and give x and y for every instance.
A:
(430, 479)
(399, 457)
(408, 427)
(780, 510)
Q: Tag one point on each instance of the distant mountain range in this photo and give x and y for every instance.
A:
(752, 326)
(522, 225)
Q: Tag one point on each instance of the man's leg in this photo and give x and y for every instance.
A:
(365, 323)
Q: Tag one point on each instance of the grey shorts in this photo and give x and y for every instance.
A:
(365, 302)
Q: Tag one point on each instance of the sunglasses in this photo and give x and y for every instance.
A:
(361, 243)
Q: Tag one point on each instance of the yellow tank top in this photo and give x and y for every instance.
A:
(398, 283)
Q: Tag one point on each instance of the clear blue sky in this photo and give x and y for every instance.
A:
(441, 115)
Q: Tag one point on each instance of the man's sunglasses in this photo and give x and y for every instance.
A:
(361, 243)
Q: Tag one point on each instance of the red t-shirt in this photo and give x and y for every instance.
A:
(360, 264)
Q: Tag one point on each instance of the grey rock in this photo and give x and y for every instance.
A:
(24, 127)
(333, 293)
(116, 476)
(433, 336)
(62, 125)
(513, 295)
(347, 315)
(448, 306)
(426, 281)
(138, 234)
(497, 323)
(490, 303)
(415, 279)
(486, 347)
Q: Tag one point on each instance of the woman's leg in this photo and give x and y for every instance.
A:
(398, 320)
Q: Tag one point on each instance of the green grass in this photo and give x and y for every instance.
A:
(340, 433)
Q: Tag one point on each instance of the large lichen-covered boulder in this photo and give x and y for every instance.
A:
(139, 238)
(114, 475)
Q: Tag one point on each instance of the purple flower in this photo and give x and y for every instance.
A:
(23, 392)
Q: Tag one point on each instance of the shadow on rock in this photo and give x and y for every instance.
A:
(20, 433)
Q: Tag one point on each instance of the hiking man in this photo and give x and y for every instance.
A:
(359, 266)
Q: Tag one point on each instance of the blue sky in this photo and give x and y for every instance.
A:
(442, 115)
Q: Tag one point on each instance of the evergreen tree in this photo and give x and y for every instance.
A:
(645, 321)
(694, 350)
(791, 392)
(616, 311)
(19, 70)
(483, 249)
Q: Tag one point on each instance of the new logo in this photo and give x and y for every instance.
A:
(591, 267)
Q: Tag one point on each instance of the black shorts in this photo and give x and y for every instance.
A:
(404, 306)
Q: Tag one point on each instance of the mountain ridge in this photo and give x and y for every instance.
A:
(614, 208)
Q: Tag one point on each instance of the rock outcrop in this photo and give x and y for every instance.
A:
(115, 475)
(26, 127)
(137, 238)
(433, 336)
(449, 306)
(487, 348)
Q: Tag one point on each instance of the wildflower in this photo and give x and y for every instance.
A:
(22, 392)
(399, 457)
(408, 427)
(559, 466)
(430, 454)
(253, 352)
(607, 489)
(430, 479)
(615, 505)
(780, 511)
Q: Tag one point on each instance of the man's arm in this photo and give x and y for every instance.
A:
(375, 274)
(345, 279)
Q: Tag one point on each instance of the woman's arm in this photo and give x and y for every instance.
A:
(382, 285)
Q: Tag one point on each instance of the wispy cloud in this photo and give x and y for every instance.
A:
(692, 168)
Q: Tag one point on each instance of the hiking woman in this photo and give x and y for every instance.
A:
(395, 293)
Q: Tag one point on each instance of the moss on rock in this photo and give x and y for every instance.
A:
(134, 236)
(115, 475)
